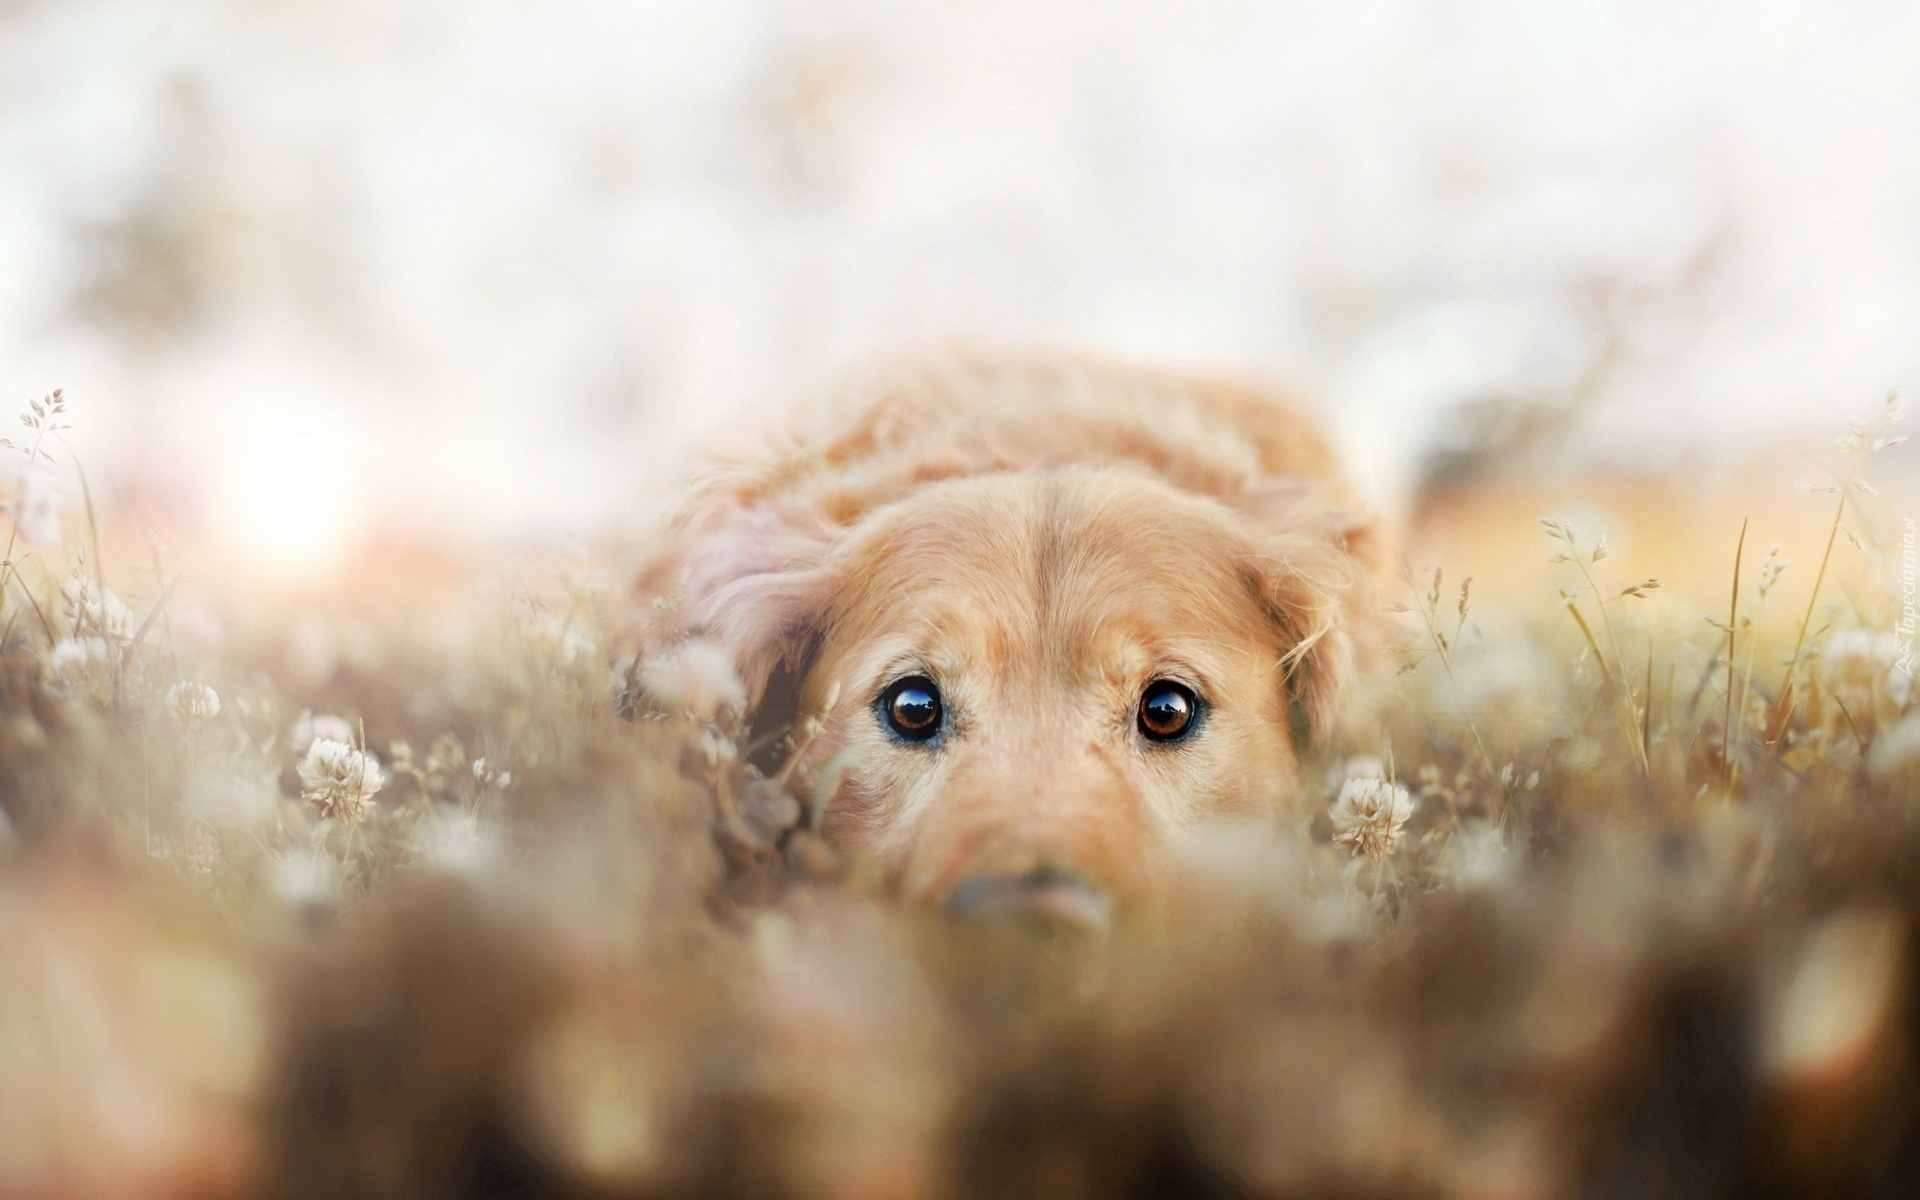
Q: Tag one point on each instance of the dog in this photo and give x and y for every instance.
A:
(1062, 608)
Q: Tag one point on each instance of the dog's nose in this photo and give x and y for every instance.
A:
(1045, 896)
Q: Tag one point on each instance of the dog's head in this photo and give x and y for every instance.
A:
(1042, 673)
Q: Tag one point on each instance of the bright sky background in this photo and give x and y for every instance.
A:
(306, 268)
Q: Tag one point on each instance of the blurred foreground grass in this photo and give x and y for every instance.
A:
(415, 893)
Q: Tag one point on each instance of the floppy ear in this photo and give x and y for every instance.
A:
(748, 568)
(1314, 567)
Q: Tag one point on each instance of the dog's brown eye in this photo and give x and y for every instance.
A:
(1167, 711)
(912, 708)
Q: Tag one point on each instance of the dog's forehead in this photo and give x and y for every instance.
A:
(1106, 555)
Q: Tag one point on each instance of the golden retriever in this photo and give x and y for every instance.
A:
(1068, 607)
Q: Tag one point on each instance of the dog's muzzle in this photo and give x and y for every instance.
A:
(1045, 897)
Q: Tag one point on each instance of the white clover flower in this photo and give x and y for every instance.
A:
(1368, 815)
(1866, 661)
(1896, 750)
(1338, 915)
(455, 843)
(192, 702)
(96, 611)
(305, 877)
(75, 658)
(1477, 857)
(1899, 687)
(312, 725)
(339, 781)
(1856, 652)
(698, 677)
(1365, 766)
(36, 505)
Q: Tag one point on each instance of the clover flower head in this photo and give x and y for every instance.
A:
(1368, 816)
(339, 780)
(312, 726)
(1897, 749)
(698, 677)
(96, 611)
(192, 702)
(36, 505)
(1855, 652)
(74, 658)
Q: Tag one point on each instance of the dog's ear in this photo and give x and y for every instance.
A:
(749, 569)
(1314, 567)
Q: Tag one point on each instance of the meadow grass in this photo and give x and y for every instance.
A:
(389, 893)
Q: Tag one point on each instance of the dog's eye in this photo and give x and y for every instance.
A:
(912, 708)
(1167, 710)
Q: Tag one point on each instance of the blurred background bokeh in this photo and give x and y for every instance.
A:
(345, 292)
(316, 273)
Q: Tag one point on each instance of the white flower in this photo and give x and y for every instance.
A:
(1856, 652)
(1368, 815)
(339, 780)
(1899, 688)
(75, 657)
(1338, 915)
(319, 725)
(487, 775)
(305, 877)
(1365, 766)
(192, 702)
(455, 843)
(1865, 661)
(36, 505)
(1477, 857)
(1896, 749)
(96, 611)
(699, 678)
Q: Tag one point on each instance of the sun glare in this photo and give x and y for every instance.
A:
(288, 505)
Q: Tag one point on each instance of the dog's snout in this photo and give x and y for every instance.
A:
(1044, 896)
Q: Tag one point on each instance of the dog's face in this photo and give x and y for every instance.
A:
(1042, 677)
(1067, 609)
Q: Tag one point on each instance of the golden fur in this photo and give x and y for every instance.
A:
(1043, 536)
